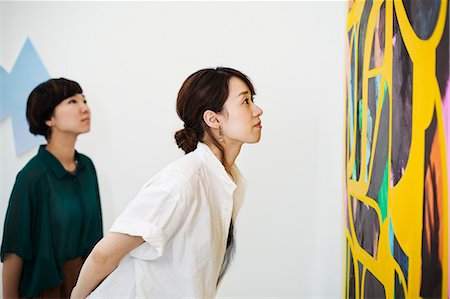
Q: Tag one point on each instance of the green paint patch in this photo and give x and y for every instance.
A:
(383, 194)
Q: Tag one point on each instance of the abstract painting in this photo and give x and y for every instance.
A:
(397, 141)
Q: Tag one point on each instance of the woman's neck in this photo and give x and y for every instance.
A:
(64, 151)
(231, 151)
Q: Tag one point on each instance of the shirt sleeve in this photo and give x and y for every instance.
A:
(92, 220)
(17, 235)
(155, 214)
(99, 207)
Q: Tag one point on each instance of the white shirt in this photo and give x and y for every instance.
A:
(183, 214)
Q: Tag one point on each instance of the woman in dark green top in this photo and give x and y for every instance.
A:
(54, 214)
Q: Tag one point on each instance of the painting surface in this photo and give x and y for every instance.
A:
(397, 134)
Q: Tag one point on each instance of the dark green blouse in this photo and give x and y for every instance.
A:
(53, 216)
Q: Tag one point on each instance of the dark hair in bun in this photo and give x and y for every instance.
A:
(186, 139)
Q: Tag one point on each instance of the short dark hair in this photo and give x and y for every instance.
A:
(42, 102)
(206, 89)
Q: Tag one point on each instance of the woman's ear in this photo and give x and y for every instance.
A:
(211, 119)
(49, 122)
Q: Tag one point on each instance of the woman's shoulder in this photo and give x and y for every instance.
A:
(189, 166)
(33, 170)
(86, 164)
(177, 175)
(186, 165)
(83, 159)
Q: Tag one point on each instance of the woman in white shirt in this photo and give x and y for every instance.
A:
(175, 238)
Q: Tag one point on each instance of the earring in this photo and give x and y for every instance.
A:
(220, 134)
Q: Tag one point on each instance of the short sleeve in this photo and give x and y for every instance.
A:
(155, 214)
(17, 235)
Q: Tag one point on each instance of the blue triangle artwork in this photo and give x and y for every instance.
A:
(27, 72)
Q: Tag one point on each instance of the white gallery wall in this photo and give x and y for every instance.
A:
(132, 57)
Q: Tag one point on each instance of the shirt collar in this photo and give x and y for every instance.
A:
(54, 163)
(239, 194)
(216, 166)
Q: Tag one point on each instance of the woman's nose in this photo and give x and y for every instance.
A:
(84, 107)
(258, 111)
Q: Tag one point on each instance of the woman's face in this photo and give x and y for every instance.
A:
(240, 117)
(71, 116)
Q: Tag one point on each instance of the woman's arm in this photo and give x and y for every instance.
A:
(103, 259)
(12, 270)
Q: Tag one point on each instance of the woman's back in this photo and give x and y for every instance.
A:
(183, 214)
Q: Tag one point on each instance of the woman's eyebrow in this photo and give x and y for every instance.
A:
(242, 93)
